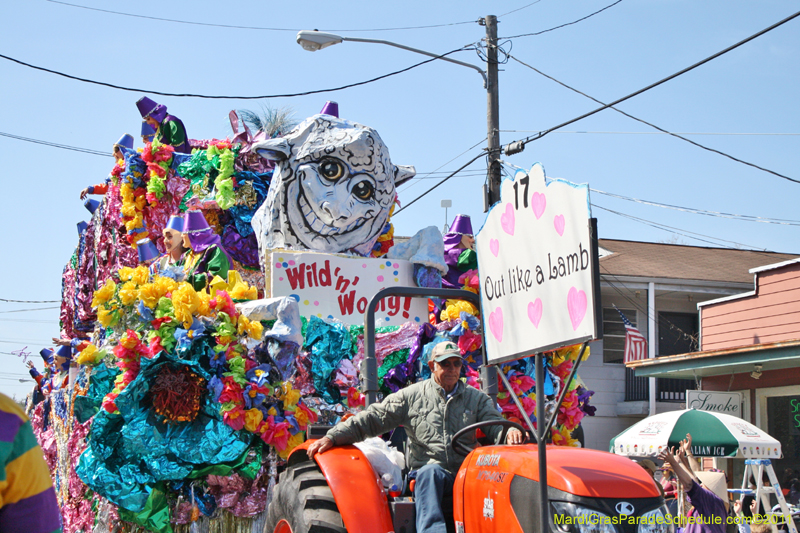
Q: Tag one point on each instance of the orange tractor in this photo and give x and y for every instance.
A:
(497, 488)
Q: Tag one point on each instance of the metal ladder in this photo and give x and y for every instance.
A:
(762, 492)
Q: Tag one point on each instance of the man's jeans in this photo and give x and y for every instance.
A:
(433, 483)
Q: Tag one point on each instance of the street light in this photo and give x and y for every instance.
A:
(446, 204)
(317, 40)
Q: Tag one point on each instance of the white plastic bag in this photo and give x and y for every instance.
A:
(386, 460)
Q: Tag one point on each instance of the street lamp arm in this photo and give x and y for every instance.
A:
(418, 51)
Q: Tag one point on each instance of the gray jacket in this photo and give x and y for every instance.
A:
(430, 420)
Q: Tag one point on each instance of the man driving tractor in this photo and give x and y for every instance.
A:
(431, 411)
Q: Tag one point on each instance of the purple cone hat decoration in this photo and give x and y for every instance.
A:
(147, 130)
(175, 223)
(91, 205)
(47, 355)
(461, 225)
(330, 108)
(195, 222)
(149, 108)
(201, 236)
(147, 250)
(82, 225)
(126, 141)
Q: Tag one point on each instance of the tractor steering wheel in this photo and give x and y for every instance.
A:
(462, 449)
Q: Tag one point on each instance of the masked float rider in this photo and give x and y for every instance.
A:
(206, 257)
(459, 251)
(169, 129)
(126, 141)
(173, 244)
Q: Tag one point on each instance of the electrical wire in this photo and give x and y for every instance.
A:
(31, 301)
(24, 341)
(222, 97)
(662, 81)
(443, 164)
(441, 182)
(645, 310)
(746, 218)
(252, 27)
(24, 321)
(662, 130)
(650, 132)
(518, 9)
(563, 25)
(677, 231)
(26, 310)
(55, 145)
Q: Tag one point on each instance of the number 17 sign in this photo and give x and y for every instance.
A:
(537, 267)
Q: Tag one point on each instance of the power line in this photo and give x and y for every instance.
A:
(662, 130)
(443, 164)
(55, 145)
(692, 210)
(31, 301)
(221, 97)
(253, 27)
(645, 132)
(9, 340)
(26, 310)
(24, 321)
(645, 310)
(442, 181)
(562, 25)
(660, 82)
(684, 233)
(518, 9)
(746, 218)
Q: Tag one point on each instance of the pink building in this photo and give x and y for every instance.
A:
(750, 343)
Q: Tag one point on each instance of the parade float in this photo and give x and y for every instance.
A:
(184, 399)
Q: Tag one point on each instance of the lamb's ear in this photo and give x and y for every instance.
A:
(403, 173)
(275, 149)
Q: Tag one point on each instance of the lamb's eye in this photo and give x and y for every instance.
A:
(331, 169)
(364, 190)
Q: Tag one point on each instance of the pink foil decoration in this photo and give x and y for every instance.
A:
(386, 343)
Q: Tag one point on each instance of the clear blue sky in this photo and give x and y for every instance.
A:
(426, 116)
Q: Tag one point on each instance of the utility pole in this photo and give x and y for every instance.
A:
(492, 195)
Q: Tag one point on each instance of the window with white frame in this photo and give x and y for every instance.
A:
(614, 334)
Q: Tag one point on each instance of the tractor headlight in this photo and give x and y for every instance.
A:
(656, 521)
(572, 518)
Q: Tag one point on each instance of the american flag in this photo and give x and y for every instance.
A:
(635, 343)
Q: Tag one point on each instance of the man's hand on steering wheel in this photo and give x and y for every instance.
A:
(512, 434)
(515, 436)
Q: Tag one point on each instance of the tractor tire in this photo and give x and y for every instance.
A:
(303, 503)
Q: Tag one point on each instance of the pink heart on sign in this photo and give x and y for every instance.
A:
(494, 246)
(535, 311)
(558, 222)
(576, 305)
(538, 202)
(507, 219)
(496, 324)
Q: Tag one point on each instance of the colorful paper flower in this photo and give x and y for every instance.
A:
(104, 293)
(185, 302)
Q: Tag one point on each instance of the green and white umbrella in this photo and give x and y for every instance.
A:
(713, 435)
